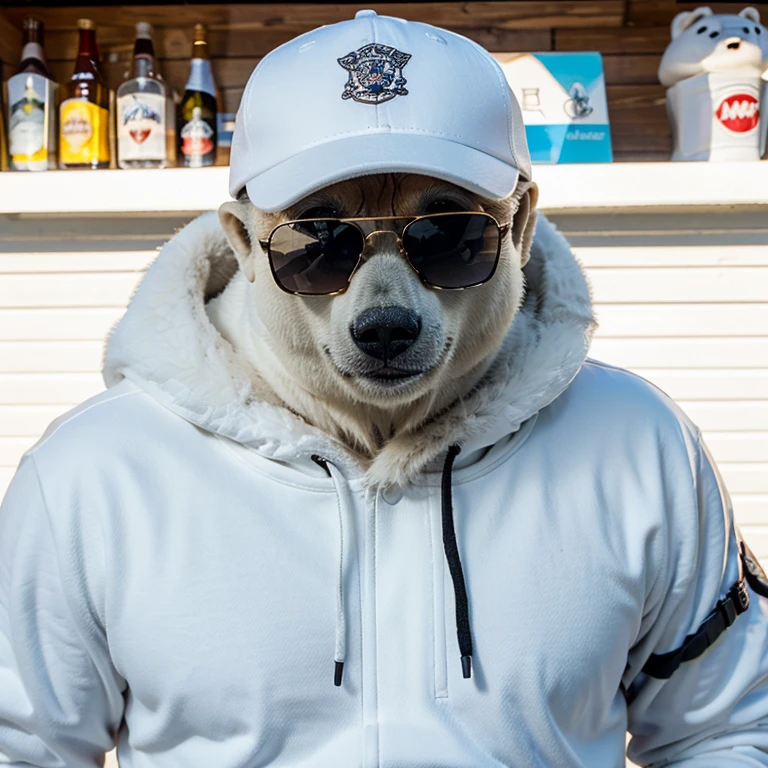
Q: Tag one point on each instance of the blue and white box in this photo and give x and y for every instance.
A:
(564, 106)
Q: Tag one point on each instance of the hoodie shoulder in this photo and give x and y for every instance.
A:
(623, 382)
(615, 399)
(100, 426)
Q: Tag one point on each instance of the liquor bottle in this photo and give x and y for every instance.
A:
(141, 109)
(32, 106)
(84, 113)
(197, 111)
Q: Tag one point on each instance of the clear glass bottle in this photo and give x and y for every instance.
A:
(84, 113)
(196, 124)
(141, 109)
(32, 106)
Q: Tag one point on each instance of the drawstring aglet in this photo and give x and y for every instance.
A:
(338, 672)
(466, 666)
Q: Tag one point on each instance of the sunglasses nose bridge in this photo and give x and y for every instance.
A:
(370, 245)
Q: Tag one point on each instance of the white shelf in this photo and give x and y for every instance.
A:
(562, 187)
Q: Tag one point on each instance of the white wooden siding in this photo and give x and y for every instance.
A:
(70, 323)
(682, 299)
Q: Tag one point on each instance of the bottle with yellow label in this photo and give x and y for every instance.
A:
(84, 112)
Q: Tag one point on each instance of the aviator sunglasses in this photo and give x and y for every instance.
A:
(448, 251)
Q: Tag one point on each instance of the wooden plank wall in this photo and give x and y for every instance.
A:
(631, 35)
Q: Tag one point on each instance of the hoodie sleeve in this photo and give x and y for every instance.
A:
(60, 698)
(713, 710)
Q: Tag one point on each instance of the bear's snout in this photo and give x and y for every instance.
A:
(386, 332)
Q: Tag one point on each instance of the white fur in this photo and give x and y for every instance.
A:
(167, 344)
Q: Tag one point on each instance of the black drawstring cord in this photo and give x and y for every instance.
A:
(454, 565)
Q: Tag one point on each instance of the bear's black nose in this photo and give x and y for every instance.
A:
(386, 332)
(735, 45)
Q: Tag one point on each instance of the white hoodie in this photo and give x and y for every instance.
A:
(177, 572)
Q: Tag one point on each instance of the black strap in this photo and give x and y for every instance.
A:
(663, 665)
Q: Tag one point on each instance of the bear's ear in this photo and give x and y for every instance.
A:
(683, 20)
(751, 13)
(234, 217)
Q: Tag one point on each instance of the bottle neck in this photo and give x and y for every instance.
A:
(87, 56)
(33, 60)
(143, 58)
(201, 77)
(199, 49)
(33, 50)
(32, 54)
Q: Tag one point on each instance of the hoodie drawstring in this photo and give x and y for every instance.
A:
(451, 549)
(454, 565)
(340, 651)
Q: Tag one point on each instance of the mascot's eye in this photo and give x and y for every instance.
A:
(444, 206)
(714, 34)
(701, 29)
(757, 29)
(746, 30)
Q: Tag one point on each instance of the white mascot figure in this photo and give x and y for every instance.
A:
(716, 73)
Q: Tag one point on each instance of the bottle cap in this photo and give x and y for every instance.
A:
(85, 24)
(143, 29)
(200, 31)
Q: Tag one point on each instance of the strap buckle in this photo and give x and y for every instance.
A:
(734, 603)
(742, 595)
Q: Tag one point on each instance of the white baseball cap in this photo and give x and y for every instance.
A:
(371, 95)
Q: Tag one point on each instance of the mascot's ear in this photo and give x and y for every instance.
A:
(234, 219)
(524, 222)
(750, 13)
(683, 20)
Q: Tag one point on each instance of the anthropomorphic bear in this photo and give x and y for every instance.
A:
(355, 495)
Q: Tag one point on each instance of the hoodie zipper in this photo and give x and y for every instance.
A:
(442, 538)
(370, 662)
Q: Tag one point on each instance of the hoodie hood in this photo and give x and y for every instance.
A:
(167, 345)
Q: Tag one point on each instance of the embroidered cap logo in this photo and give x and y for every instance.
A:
(375, 73)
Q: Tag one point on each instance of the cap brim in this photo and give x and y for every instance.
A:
(316, 167)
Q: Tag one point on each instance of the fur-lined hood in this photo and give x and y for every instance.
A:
(167, 345)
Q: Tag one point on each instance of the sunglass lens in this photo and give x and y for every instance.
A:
(315, 257)
(453, 250)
